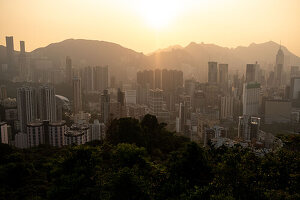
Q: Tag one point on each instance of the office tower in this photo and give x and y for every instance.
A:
(47, 103)
(251, 73)
(57, 131)
(226, 107)
(248, 127)
(100, 77)
(130, 96)
(157, 79)
(10, 53)
(279, 67)
(251, 94)
(77, 95)
(3, 92)
(212, 72)
(69, 74)
(223, 77)
(97, 130)
(27, 106)
(105, 106)
(171, 80)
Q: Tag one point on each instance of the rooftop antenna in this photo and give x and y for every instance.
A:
(280, 44)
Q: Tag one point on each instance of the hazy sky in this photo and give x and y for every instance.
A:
(146, 25)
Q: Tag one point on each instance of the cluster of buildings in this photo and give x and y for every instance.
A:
(229, 108)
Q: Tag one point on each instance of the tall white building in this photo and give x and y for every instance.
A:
(4, 133)
(47, 103)
(251, 94)
(27, 106)
(97, 130)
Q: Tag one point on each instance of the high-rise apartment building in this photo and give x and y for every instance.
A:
(171, 80)
(47, 103)
(77, 95)
(27, 106)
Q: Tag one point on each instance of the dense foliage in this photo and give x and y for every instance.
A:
(142, 160)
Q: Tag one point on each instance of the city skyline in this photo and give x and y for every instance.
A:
(174, 23)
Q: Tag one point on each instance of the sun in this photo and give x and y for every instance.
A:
(158, 13)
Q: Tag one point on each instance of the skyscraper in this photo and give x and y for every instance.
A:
(23, 70)
(226, 107)
(279, 67)
(47, 103)
(27, 106)
(248, 127)
(251, 73)
(223, 76)
(105, 106)
(212, 72)
(10, 53)
(251, 93)
(77, 95)
(68, 70)
(100, 78)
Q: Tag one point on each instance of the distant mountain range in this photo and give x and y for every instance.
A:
(192, 59)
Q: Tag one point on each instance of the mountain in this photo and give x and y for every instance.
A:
(192, 59)
(92, 52)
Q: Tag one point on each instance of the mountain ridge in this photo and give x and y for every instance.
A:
(192, 59)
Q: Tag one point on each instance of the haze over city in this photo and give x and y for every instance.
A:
(146, 26)
(149, 99)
